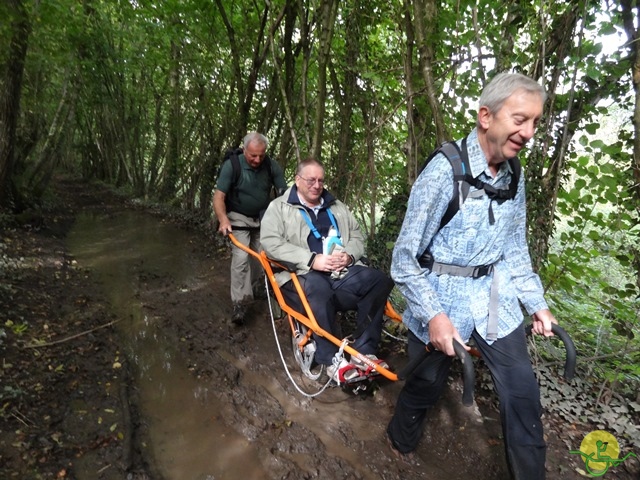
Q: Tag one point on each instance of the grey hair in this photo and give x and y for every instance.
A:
(503, 85)
(306, 162)
(255, 137)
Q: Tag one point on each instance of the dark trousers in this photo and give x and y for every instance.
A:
(515, 384)
(363, 289)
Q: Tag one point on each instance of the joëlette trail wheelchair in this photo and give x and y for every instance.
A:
(304, 325)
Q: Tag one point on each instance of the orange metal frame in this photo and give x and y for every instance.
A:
(308, 319)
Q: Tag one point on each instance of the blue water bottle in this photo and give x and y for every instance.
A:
(331, 241)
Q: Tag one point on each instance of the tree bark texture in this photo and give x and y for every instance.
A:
(10, 92)
(631, 9)
(328, 10)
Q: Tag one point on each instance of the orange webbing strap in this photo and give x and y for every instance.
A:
(309, 319)
(390, 312)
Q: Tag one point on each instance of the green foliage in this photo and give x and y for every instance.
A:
(589, 270)
(379, 248)
(17, 328)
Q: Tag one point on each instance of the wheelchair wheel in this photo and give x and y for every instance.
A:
(305, 356)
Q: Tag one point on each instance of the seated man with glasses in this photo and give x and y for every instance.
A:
(300, 227)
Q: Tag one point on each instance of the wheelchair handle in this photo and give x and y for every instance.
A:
(467, 372)
(569, 346)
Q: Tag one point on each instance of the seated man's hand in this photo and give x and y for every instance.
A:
(331, 263)
(343, 260)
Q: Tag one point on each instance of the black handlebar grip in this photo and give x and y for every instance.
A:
(468, 373)
(569, 347)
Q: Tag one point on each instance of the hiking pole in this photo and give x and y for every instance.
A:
(468, 374)
(569, 346)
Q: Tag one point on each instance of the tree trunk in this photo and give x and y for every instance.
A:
(425, 21)
(171, 170)
(633, 35)
(411, 147)
(45, 165)
(20, 28)
(328, 12)
(289, 145)
(345, 96)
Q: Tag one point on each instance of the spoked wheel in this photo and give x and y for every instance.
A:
(305, 356)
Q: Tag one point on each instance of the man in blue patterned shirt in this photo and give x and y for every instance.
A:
(449, 303)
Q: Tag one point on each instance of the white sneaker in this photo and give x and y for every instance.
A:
(368, 370)
(344, 372)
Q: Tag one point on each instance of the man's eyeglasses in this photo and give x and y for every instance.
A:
(312, 181)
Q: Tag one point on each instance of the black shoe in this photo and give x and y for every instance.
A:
(239, 311)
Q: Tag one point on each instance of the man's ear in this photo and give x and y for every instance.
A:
(484, 117)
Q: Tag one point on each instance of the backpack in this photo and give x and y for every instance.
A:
(462, 180)
(233, 155)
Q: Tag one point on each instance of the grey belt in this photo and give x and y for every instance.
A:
(427, 261)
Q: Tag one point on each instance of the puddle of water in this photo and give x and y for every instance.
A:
(187, 440)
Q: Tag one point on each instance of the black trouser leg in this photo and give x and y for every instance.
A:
(420, 392)
(366, 290)
(520, 408)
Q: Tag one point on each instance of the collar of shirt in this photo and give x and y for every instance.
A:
(314, 209)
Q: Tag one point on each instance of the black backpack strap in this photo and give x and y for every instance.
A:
(516, 168)
(234, 158)
(500, 195)
(459, 161)
(236, 171)
(463, 180)
(268, 163)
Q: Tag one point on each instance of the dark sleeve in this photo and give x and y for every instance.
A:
(278, 177)
(225, 177)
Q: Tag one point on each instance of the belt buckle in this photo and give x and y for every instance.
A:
(482, 270)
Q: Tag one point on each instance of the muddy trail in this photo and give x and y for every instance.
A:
(129, 367)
